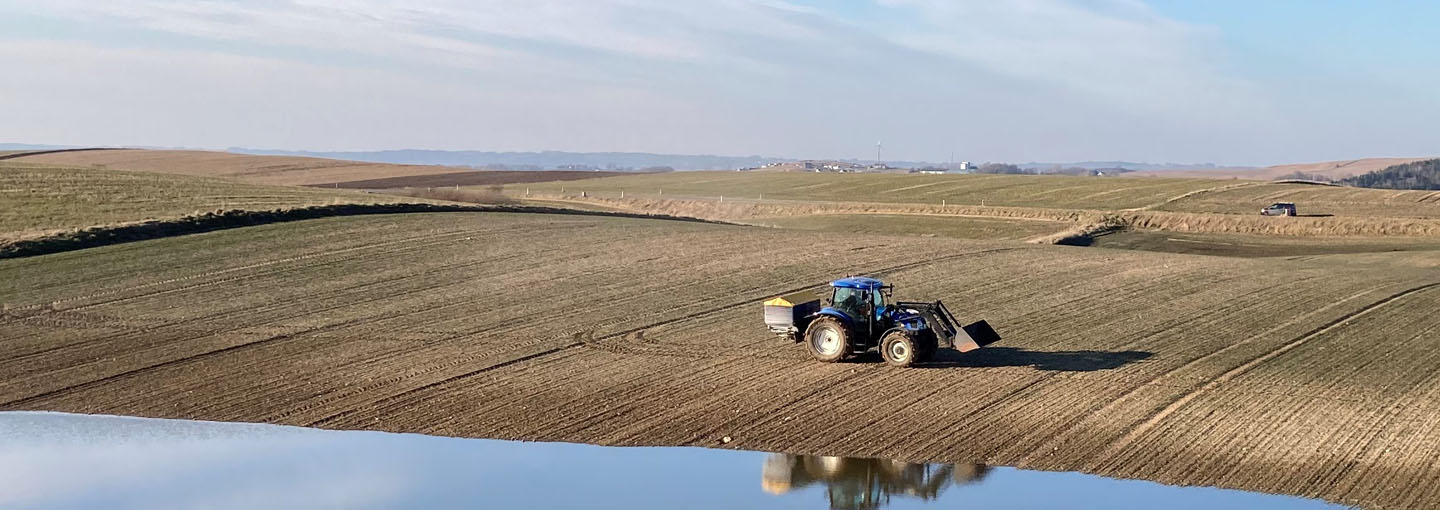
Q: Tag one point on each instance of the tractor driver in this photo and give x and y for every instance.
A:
(851, 300)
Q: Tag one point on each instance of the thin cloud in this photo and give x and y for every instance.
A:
(1119, 51)
(1018, 80)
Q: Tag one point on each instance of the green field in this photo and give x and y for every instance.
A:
(1215, 217)
(36, 200)
(997, 190)
(1313, 199)
(1041, 191)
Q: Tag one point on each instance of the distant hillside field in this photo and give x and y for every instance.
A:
(1340, 169)
(1416, 175)
(1037, 209)
(474, 178)
(1099, 193)
(1327, 169)
(279, 170)
(533, 160)
(37, 200)
(1313, 200)
(1036, 191)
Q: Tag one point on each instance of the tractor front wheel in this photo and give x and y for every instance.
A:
(827, 339)
(898, 349)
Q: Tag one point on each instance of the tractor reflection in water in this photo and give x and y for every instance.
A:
(864, 484)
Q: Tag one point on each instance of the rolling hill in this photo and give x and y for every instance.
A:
(1176, 368)
(274, 170)
(1415, 175)
(1332, 170)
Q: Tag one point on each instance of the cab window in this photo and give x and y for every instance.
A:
(851, 300)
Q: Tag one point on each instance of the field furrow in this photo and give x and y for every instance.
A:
(1313, 377)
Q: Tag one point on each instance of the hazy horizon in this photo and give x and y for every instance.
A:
(1160, 81)
(7, 145)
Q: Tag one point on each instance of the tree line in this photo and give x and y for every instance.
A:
(1414, 175)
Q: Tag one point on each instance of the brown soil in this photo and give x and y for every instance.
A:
(1310, 377)
(1255, 246)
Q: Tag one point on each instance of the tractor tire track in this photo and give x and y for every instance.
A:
(253, 343)
(581, 340)
(21, 403)
(1137, 385)
(216, 328)
(1129, 437)
(51, 306)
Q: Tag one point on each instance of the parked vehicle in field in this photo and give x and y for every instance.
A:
(1279, 209)
(859, 316)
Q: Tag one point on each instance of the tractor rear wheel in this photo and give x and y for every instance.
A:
(827, 339)
(898, 349)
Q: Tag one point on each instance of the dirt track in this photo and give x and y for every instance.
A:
(1315, 378)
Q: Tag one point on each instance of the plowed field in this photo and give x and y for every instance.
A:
(1311, 377)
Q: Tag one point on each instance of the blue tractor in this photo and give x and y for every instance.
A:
(859, 315)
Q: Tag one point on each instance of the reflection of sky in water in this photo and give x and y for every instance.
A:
(71, 461)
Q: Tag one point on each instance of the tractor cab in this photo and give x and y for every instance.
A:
(859, 298)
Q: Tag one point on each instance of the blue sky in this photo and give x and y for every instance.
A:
(1230, 82)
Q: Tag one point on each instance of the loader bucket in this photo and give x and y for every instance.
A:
(947, 330)
(975, 336)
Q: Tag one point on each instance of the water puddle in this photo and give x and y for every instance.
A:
(55, 461)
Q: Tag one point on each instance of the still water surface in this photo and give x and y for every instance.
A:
(64, 461)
